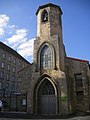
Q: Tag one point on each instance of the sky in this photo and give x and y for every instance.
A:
(18, 26)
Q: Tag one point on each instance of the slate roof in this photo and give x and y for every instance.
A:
(49, 5)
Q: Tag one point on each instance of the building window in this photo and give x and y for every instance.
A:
(78, 80)
(0, 85)
(13, 78)
(8, 67)
(3, 65)
(14, 61)
(79, 95)
(0, 94)
(9, 58)
(23, 101)
(4, 56)
(46, 58)
(47, 88)
(1, 74)
(12, 87)
(79, 86)
(23, 65)
(6, 92)
(19, 63)
(14, 69)
(7, 85)
(8, 77)
(44, 16)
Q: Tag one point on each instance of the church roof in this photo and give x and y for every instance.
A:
(76, 59)
(48, 5)
(25, 68)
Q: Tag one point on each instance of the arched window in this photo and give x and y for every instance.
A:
(47, 88)
(46, 58)
(44, 16)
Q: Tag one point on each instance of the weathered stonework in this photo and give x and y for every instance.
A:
(61, 75)
(73, 67)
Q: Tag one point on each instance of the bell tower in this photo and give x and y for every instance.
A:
(49, 21)
(49, 31)
(48, 63)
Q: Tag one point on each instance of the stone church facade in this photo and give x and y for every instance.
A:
(55, 84)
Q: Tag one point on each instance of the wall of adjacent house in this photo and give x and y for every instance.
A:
(78, 95)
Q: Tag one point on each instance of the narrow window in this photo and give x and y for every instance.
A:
(2, 65)
(78, 80)
(79, 86)
(8, 77)
(14, 61)
(44, 16)
(9, 59)
(13, 78)
(19, 63)
(79, 95)
(4, 55)
(8, 67)
(14, 69)
(23, 65)
(6, 92)
(13, 87)
(24, 102)
(1, 74)
(46, 58)
(0, 85)
(7, 85)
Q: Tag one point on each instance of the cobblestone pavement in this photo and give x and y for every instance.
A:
(75, 118)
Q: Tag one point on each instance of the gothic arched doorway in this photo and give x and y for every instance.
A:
(46, 98)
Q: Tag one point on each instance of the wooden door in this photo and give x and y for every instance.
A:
(47, 99)
(48, 105)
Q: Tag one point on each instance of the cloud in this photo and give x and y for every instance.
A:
(1, 31)
(11, 26)
(21, 43)
(19, 36)
(4, 19)
(5, 27)
(26, 48)
(27, 44)
(15, 37)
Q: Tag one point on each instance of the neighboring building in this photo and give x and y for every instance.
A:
(55, 84)
(78, 84)
(10, 63)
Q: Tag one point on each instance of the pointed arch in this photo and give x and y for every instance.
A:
(46, 90)
(46, 58)
(52, 54)
(47, 78)
(44, 16)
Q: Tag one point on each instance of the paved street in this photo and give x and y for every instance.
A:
(75, 118)
(25, 116)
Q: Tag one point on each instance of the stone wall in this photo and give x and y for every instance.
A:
(74, 67)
